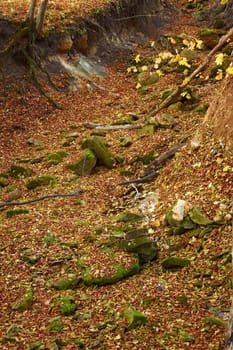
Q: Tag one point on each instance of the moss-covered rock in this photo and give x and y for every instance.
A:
(120, 274)
(42, 180)
(56, 325)
(214, 321)
(17, 171)
(138, 242)
(66, 283)
(198, 218)
(135, 318)
(172, 262)
(3, 181)
(147, 78)
(129, 217)
(85, 165)
(13, 212)
(68, 306)
(56, 158)
(178, 226)
(25, 302)
(210, 36)
(100, 150)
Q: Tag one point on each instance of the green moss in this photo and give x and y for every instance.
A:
(102, 153)
(13, 212)
(118, 276)
(66, 283)
(135, 318)
(198, 218)
(25, 302)
(56, 158)
(175, 262)
(85, 165)
(55, 325)
(18, 171)
(68, 307)
(214, 321)
(42, 180)
(129, 217)
(210, 31)
(3, 181)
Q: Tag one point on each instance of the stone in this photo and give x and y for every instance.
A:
(100, 150)
(68, 306)
(41, 180)
(56, 158)
(172, 262)
(198, 218)
(147, 78)
(118, 276)
(25, 303)
(135, 318)
(66, 283)
(129, 217)
(17, 171)
(85, 165)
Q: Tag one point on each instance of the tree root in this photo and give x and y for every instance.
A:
(23, 42)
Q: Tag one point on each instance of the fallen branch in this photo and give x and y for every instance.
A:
(149, 172)
(199, 69)
(90, 125)
(52, 195)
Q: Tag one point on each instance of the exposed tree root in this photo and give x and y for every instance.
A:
(23, 43)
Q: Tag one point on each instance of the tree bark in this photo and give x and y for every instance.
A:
(32, 10)
(41, 16)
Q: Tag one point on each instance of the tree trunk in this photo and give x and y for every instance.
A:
(41, 16)
(32, 10)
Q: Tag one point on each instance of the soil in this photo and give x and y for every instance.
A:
(57, 238)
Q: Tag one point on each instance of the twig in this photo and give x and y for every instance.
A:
(90, 125)
(52, 195)
(200, 68)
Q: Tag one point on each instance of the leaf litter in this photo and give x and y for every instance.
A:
(180, 306)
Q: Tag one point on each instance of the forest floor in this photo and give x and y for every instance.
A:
(62, 238)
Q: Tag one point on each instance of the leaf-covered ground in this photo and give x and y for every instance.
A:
(61, 239)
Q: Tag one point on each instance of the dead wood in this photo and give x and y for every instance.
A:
(150, 171)
(90, 125)
(171, 98)
(29, 201)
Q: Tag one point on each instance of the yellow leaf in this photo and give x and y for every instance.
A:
(200, 44)
(186, 81)
(152, 44)
(184, 62)
(144, 68)
(229, 71)
(219, 59)
(158, 60)
(186, 42)
(219, 75)
(138, 86)
(172, 40)
(224, 2)
(165, 55)
(137, 59)
(186, 72)
(159, 72)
